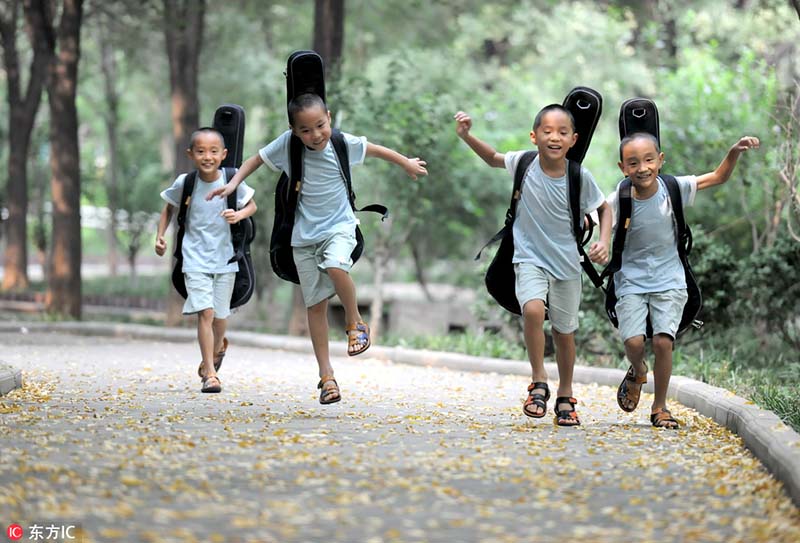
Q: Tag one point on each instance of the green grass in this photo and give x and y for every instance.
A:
(146, 286)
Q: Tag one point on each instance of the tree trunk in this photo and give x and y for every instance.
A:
(183, 29)
(22, 115)
(329, 33)
(380, 260)
(109, 69)
(63, 53)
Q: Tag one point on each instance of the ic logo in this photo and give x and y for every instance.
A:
(14, 532)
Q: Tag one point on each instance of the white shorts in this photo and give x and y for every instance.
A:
(562, 296)
(209, 291)
(665, 308)
(313, 261)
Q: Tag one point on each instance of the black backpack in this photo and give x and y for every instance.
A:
(229, 120)
(641, 115)
(305, 74)
(585, 104)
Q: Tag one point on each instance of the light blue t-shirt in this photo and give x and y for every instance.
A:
(207, 245)
(323, 208)
(543, 226)
(650, 261)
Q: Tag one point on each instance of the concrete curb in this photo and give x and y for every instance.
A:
(10, 378)
(774, 443)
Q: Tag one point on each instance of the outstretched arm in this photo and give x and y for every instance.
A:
(163, 223)
(725, 168)
(412, 166)
(248, 166)
(489, 155)
(232, 216)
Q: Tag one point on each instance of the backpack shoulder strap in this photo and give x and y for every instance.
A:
(229, 173)
(624, 211)
(574, 190)
(574, 182)
(343, 158)
(524, 163)
(186, 198)
(295, 172)
(683, 232)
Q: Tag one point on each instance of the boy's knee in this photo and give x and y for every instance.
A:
(635, 342)
(316, 309)
(206, 315)
(662, 342)
(533, 312)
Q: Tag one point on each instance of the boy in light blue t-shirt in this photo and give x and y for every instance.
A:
(652, 279)
(323, 236)
(207, 248)
(546, 259)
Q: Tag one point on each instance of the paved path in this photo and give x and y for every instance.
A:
(114, 435)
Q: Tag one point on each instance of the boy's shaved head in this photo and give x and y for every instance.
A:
(537, 122)
(303, 102)
(638, 136)
(206, 130)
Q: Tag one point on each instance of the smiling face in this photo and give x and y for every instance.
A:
(313, 126)
(207, 152)
(640, 161)
(554, 135)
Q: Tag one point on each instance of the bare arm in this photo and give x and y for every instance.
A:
(488, 153)
(598, 251)
(163, 223)
(412, 166)
(725, 168)
(248, 166)
(232, 216)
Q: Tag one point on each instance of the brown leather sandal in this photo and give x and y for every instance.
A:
(630, 389)
(329, 394)
(211, 384)
(359, 340)
(662, 418)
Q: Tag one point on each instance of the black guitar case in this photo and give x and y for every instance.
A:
(229, 120)
(639, 115)
(305, 73)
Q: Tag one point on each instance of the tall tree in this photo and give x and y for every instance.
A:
(22, 114)
(183, 30)
(329, 33)
(108, 66)
(62, 46)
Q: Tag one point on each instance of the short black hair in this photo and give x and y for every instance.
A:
(303, 102)
(638, 136)
(537, 121)
(206, 130)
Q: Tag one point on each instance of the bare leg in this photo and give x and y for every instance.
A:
(634, 351)
(565, 358)
(346, 290)
(533, 329)
(205, 337)
(662, 371)
(219, 326)
(318, 329)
